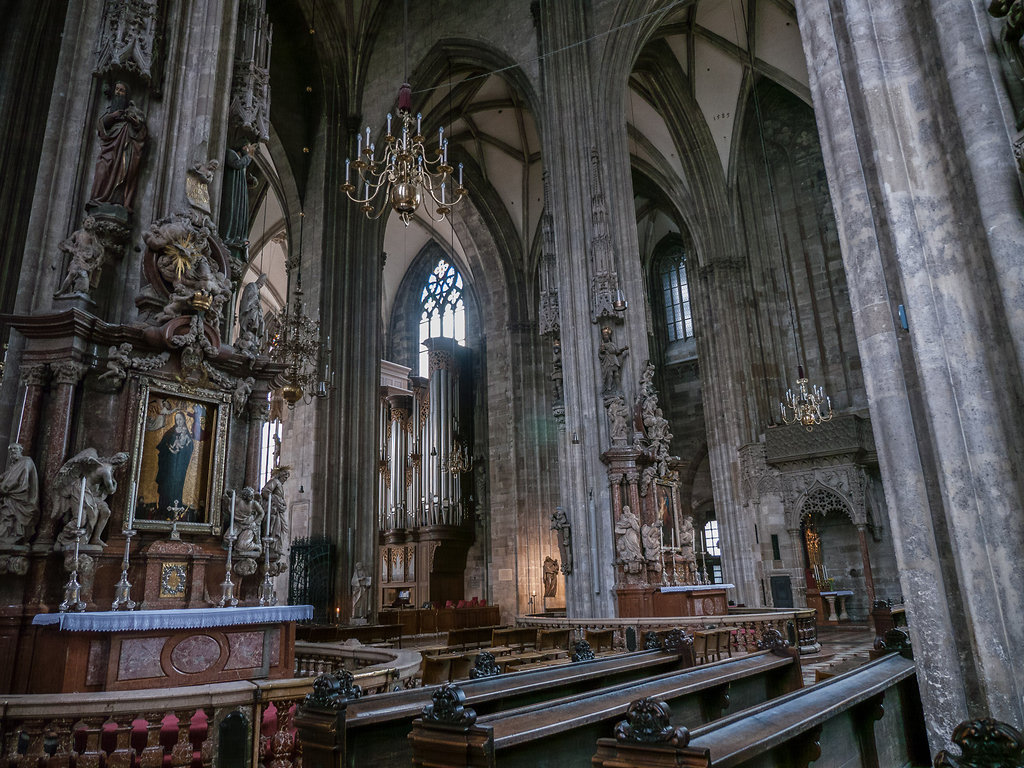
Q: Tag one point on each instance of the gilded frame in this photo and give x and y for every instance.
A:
(179, 449)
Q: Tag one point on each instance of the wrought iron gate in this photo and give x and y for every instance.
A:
(312, 576)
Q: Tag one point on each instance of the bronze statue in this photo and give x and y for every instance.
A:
(19, 498)
(123, 135)
(234, 203)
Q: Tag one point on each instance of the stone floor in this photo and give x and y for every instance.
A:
(842, 648)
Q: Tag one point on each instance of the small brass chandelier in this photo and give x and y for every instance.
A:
(809, 407)
(406, 175)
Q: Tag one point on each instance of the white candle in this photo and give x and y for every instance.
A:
(232, 530)
(270, 503)
(81, 503)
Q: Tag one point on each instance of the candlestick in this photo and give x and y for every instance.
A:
(231, 528)
(81, 503)
(227, 587)
(268, 594)
(123, 588)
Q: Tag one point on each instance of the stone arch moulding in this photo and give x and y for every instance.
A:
(821, 498)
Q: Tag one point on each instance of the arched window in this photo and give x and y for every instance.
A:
(444, 313)
(675, 291)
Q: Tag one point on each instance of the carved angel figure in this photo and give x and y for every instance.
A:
(241, 394)
(19, 498)
(98, 472)
(118, 361)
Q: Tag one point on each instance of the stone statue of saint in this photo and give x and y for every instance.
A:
(560, 523)
(122, 139)
(610, 356)
(618, 418)
(550, 576)
(252, 328)
(652, 539)
(627, 541)
(234, 203)
(98, 472)
(248, 522)
(19, 498)
(361, 583)
(240, 396)
(556, 370)
(276, 505)
(87, 255)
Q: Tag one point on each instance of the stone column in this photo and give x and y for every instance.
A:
(57, 432)
(865, 557)
(919, 227)
(33, 377)
(258, 409)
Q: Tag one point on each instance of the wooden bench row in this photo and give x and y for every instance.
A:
(334, 633)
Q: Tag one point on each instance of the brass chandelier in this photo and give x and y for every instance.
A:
(809, 407)
(406, 175)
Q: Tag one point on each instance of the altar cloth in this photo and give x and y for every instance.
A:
(187, 618)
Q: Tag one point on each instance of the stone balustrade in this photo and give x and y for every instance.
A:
(375, 669)
(796, 625)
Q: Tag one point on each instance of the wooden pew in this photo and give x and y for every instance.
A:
(365, 633)
(475, 637)
(870, 717)
(551, 733)
(373, 731)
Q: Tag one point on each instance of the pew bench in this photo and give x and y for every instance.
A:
(870, 716)
(373, 731)
(551, 733)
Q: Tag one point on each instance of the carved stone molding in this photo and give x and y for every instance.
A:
(249, 113)
(128, 33)
(549, 319)
(844, 436)
(756, 477)
(35, 375)
(846, 482)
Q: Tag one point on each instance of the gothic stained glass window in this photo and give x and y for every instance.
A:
(675, 291)
(444, 313)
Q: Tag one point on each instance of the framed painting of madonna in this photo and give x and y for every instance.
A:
(178, 458)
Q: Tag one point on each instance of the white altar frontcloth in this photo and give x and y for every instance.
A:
(697, 587)
(186, 618)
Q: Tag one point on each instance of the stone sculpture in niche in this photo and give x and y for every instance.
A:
(86, 256)
(627, 542)
(550, 576)
(652, 540)
(98, 472)
(252, 327)
(122, 138)
(618, 418)
(19, 498)
(360, 584)
(610, 356)
(560, 523)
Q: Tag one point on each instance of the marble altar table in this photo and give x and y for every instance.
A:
(127, 650)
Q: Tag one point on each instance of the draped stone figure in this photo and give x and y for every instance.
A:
(122, 139)
(276, 505)
(252, 327)
(86, 256)
(610, 357)
(249, 516)
(234, 206)
(627, 541)
(550, 576)
(361, 583)
(19, 498)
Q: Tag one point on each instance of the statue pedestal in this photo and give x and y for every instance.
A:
(698, 600)
(128, 650)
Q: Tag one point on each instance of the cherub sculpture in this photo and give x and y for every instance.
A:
(98, 472)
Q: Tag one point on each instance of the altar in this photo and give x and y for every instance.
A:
(668, 601)
(118, 651)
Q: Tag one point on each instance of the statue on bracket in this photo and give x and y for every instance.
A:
(98, 472)
(610, 356)
(86, 256)
(618, 418)
(122, 139)
(240, 396)
(19, 498)
(560, 523)
(252, 327)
